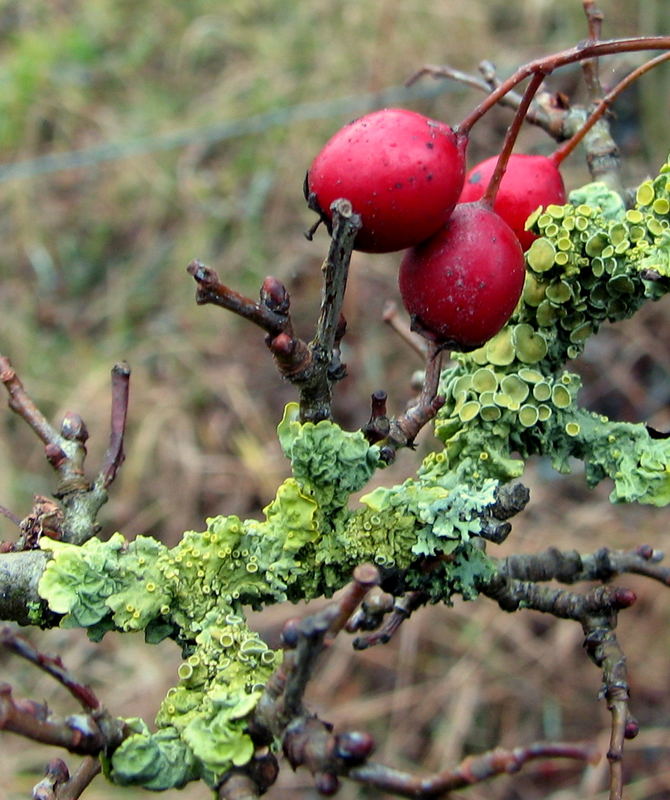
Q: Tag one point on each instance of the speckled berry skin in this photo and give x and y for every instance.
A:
(401, 171)
(529, 181)
(462, 285)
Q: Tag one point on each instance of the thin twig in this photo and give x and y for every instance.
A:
(10, 516)
(58, 784)
(551, 63)
(474, 769)
(211, 290)
(591, 66)
(114, 456)
(22, 404)
(404, 429)
(596, 611)
(562, 152)
(391, 318)
(52, 665)
(510, 139)
(403, 608)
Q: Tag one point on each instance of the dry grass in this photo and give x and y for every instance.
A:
(92, 271)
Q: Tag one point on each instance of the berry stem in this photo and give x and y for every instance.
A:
(510, 139)
(562, 152)
(548, 64)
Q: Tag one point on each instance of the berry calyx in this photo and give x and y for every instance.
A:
(461, 286)
(529, 181)
(401, 171)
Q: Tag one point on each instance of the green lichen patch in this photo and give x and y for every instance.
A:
(328, 461)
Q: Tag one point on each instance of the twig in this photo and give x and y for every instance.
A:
(510, 139)
(403, 607)
(312, 367)
(304, 640)
(52, 665)
(562, 152)
(57, 783)
(22, 404)
(537, 115)
(378, 426)
(596, 611)
(114, 456)
(10, 516)
(56, 774)
(590, 67)
(79, 734)
(553, 62)
(474, 769)
(315, 385)
(571, 567)
(211, 290)
(90, 733)
(391, 318)
(74, 520)
(405, 428)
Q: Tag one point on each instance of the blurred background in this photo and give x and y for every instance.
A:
(136, 136)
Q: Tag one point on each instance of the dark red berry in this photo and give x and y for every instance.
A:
(528, 182)
(401, 171)
(462, 285)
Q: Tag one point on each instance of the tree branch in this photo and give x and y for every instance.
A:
(312, 367)
(596, 611)
(74, 518)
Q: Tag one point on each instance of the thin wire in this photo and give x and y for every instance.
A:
(259, 123)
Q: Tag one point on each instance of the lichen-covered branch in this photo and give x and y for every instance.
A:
(73, 517)
(595, 262)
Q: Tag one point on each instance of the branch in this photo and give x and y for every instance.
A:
(570, 566)
(90, 733)
(596, 611)
(20, 574)
(312, 367)
(474, 769)
(114, 456)
(74, 519)
(57, 783)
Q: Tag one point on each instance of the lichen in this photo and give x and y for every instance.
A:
(513, 398)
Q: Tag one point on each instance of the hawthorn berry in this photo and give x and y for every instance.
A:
(401, 171)
(529, 181)
(462, 285)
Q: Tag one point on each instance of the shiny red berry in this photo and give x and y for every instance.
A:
(462, 285)
(528, 182)
(401, 171)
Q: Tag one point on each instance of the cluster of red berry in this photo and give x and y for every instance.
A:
(463, 271)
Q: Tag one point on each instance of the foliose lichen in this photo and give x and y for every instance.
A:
(595, 261)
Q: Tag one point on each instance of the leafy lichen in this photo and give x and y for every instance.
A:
(595, 261)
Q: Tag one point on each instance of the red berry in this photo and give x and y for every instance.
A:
(401, 171)
(528, 182)
(462, 285)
